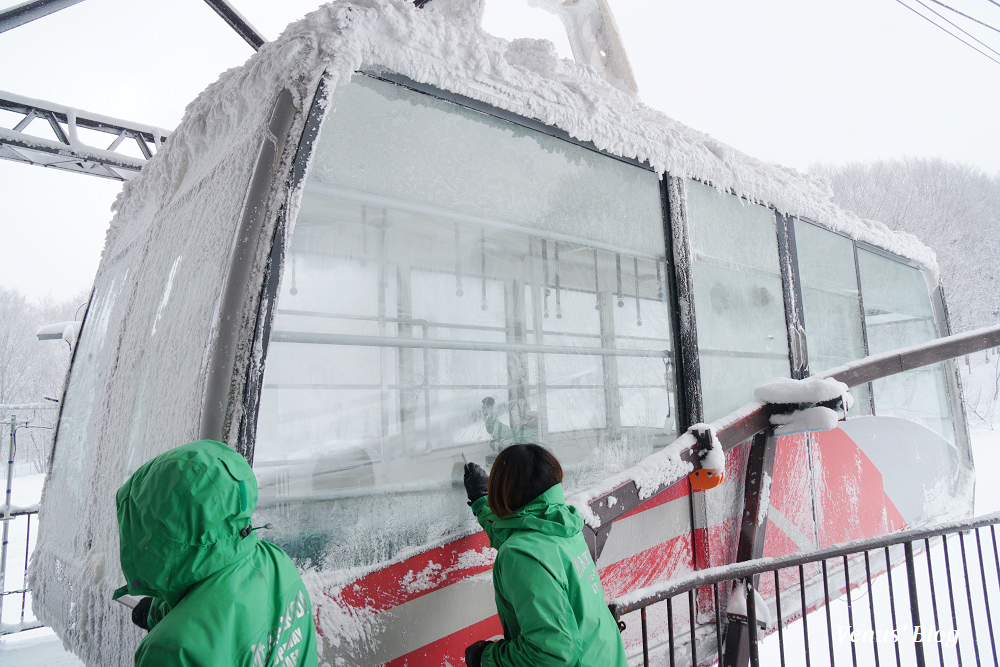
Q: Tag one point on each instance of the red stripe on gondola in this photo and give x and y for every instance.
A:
(449, 650)
(425, 573)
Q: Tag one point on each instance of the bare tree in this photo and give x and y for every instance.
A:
(953, 208)
(31, 370)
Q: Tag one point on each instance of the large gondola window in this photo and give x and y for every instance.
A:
(454, 283)
(898, 314)
(831, 303)
(739, 307)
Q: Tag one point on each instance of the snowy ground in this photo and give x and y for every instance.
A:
(42, 647)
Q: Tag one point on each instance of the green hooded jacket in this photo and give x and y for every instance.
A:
(219, 598)
(548, 593)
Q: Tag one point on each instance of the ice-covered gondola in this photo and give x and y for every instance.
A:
(390, 240)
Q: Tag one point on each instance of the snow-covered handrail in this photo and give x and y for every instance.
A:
(907, 358)
(625, 491)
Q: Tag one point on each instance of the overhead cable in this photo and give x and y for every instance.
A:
(940, 27)
(971, 18)
(956, 26)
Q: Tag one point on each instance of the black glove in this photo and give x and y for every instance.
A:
(140, 613)
(476, 482)
(474, 654)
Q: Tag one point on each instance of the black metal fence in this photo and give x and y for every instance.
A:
(17, 533)
(921, 597)
(21, 525)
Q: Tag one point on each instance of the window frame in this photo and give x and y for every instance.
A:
(269, 289)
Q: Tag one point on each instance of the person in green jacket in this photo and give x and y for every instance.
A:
(548, 593)
(215, 594)
(501, 435)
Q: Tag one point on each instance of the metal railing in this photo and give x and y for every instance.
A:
(737, 645)
(6, 627)
(8, 515)
(854, 597)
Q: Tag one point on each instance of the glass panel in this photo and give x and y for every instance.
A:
(447, 259)
(831, 303)
(898, 314)
(742, 338)
(70, 449)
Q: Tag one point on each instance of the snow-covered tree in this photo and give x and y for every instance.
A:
(31, 370)
(953, 208)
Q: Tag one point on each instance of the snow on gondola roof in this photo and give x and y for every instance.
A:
(449, 50)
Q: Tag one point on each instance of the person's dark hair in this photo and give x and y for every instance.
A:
(520, 474)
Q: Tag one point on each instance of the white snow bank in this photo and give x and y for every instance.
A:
(32, 648)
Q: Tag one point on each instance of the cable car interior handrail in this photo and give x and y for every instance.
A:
(439, 213)
(443, 344)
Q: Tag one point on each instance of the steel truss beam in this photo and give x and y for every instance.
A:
(66, 150)
(29, 11)
(237, 23)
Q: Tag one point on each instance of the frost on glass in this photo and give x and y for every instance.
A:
(454, 284)
(831, 303)
(898, 314)
(70, 448)
(739, 305)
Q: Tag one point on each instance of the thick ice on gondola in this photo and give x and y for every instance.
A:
(390, 240)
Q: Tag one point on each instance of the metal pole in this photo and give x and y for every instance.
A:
(6, 512)
(777, 605)
(911, 580)
(934, 606)
(968, 595)
(850, 608)
(29, 11)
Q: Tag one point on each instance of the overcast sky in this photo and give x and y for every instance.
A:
(787, 81)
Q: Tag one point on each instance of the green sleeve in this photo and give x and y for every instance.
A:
(549, 636)
(481, 508)
(172, 651)
(157, 610)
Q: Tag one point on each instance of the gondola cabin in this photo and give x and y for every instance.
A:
(390, 240)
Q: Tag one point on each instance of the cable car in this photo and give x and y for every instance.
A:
(390, 240)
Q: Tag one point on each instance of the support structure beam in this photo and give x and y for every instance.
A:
(66, 149)
(237, 23)
(29, 11)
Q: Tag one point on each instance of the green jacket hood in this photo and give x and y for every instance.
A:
(547, 514)
(180, 516)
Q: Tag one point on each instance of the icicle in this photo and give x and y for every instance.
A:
(555, 248)
(458, 262)
(597, 284)
(659, 281)
(294, 290)
(482, 252)
(618, 272)
(364, 233)
(545, 278)
(638, 313)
